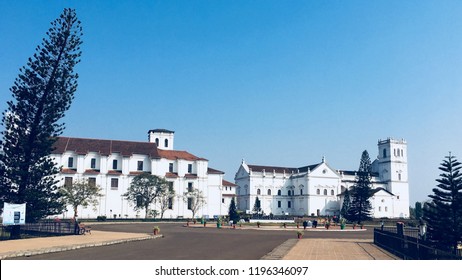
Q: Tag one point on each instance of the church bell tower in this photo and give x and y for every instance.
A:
(392, 168)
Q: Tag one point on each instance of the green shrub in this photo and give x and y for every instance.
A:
(101, 218)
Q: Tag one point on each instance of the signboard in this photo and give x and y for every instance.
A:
(14, 214)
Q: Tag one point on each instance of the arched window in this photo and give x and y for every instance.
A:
(301, 191)
(394, 152)
(331, 192)
(402, 153)
(399, 176)
(279, 192)
(325, 192)
(269, 192)
(166, 143)
(258, 192)
(157, 142)
(318, 191)
(384, 153)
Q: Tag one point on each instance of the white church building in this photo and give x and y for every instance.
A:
(317, 190)
(112, 164)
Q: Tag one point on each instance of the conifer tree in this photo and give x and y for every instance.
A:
(360, 208)
(232, 212)
(346, 205)
(257, 206)
(444, 213)
(418, 210)
(42, 93)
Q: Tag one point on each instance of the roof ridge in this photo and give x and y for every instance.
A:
(67, 143)
(100, 139)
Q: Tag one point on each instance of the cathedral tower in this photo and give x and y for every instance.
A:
(162, 137)
(392, 169)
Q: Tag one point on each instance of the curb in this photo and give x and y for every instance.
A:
(73, 247)
(279, 229)
(280, 251)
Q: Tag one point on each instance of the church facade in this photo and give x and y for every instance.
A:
(112, 165)
(317, 190)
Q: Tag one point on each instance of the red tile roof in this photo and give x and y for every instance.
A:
(171, 175)
(174, 155)
(190, 176)
(214, 171)
(125, 148)
(68, 171)
(139, 172)
(92, 171)
(114, 172)
(229, 184)
(104, 147)
(277, 169)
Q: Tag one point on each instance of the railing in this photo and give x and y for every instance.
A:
(409, 246)
(44, 228)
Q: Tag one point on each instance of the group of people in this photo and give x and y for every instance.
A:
(313, 224)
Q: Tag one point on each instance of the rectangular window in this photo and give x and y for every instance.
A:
(93, 163)
(70, 162)
(114, 164)
(386, 209)
(289, 204)
(170, 203)
(190, 187)
(190, 200)
(114, 184)
(92, 182)
(139, 201)
(170, 167)
(279, 204)
(68, 181)
(380, 208)
(222, 200)
(140, 165)
(170, 186)
(189, 168)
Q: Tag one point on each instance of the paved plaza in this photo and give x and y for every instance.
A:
(314, 246)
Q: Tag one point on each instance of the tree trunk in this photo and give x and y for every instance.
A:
(75, 212)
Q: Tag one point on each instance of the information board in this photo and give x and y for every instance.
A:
(14, 214)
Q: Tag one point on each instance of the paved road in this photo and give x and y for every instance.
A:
(182, 243)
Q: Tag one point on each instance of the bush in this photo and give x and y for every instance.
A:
(101, 218)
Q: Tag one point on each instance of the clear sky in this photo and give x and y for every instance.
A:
(274, 82)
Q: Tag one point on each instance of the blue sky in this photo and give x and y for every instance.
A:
(274, 82)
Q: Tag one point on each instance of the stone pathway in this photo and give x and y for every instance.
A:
(337, 249)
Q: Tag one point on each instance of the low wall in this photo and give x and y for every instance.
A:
(271, 221)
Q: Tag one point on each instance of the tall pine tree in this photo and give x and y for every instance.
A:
(257, 206)
(232, 212)
(360, 208)
(42, 93)
(444, 213)
(346, 205)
